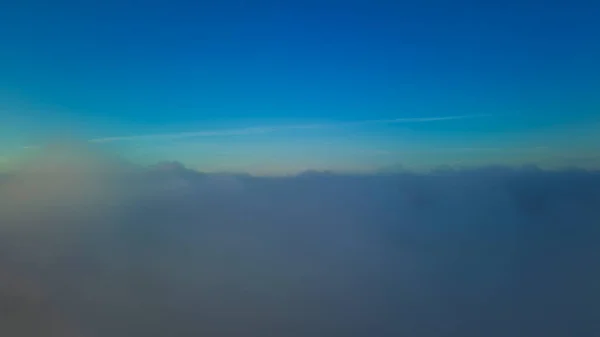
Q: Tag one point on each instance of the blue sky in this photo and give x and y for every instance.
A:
(284, 86)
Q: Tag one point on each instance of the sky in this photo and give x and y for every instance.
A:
(272, 87)
(299, 168)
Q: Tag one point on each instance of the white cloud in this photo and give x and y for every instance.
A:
(262, 130)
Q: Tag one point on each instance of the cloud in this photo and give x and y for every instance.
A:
(262, 130)
(169, 166)
(166, 251)
(432, 119)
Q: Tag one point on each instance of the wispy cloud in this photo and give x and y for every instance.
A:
(207, 133)
(455, 150)
(269, 129)
(496, 149)
(429, 119)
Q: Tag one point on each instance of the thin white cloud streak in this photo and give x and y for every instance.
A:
(456, 150)
(263, 130)
(496, 149)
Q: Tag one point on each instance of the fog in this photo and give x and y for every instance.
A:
(94, 246)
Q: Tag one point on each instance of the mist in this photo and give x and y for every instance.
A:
(94, 246)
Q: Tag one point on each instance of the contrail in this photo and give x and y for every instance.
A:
(269, 129)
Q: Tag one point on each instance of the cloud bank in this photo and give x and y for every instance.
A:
(105, 248)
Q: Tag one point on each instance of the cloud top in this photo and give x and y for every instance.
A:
(166, 251)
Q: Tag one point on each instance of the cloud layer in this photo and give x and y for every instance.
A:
(118, 250)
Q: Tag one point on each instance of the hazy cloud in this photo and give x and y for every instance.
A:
(118, 250)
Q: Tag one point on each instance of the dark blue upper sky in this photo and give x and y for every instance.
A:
(132, 68)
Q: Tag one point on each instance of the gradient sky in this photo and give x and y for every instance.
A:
(284, 86)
